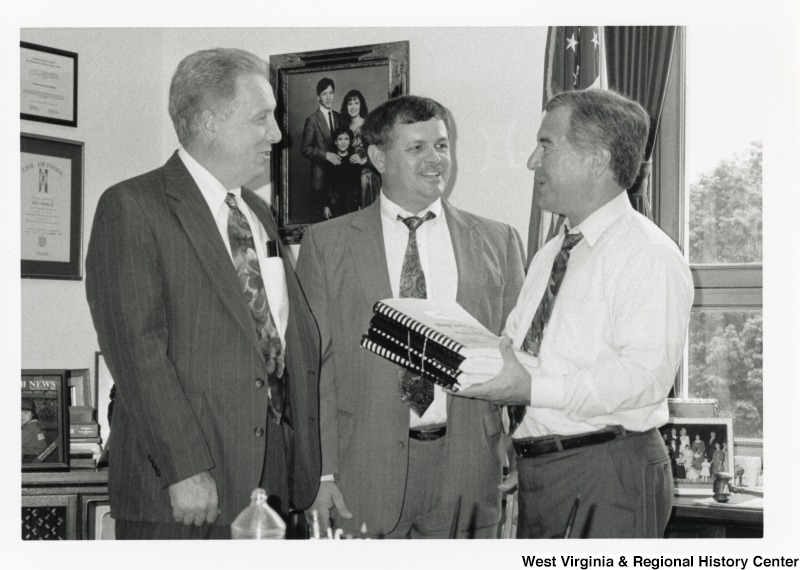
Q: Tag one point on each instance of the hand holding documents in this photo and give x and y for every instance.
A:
(440, 341)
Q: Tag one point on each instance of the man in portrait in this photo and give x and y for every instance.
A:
(318, 146)
(605, 309)
(398, 453)
(201, 321)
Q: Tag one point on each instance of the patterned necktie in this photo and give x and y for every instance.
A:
(533, 340)
(414, 391)
(249, 271)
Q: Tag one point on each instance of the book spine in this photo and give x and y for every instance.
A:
(84, 430)
(416, 340)
(418, 327)
(427, 374)
(401, 347)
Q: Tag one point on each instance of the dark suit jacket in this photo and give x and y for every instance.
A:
(181, 346)
(317, 141)
(364, 425)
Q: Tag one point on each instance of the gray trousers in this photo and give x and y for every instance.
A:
(625, 488)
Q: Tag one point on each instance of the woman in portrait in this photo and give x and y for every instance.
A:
(354, 109)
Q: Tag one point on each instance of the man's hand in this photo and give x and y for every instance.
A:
(511, 387)
(326, 213)
(194, 500)
(509, 485)
(333, 158)
(328, 497)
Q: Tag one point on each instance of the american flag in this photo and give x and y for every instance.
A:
(574, 59)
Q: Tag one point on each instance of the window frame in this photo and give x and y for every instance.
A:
(717, 287)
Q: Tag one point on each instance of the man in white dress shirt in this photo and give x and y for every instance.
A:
(613, 341)
(392, 458)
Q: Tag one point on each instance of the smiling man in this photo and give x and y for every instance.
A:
(397, 454)
(605, 308)
(212, 347)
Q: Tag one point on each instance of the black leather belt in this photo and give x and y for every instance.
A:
(427, 434)
(538, 446)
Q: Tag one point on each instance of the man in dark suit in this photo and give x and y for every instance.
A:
(401, 468)
(318, 147)
(217, 380)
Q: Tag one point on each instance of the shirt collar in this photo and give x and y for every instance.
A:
(325, 111)
(603, 218)
(212, 189)
(390, 210)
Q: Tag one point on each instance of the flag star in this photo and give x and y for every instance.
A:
(572, 43)
(595, 40)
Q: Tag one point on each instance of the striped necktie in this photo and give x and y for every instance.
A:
(533, 340)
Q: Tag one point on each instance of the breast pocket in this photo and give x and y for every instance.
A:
(581, 328)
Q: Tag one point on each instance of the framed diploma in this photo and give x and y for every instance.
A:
(51, 207)
(48, 81)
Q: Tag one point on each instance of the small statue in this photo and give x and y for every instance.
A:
(739, 474)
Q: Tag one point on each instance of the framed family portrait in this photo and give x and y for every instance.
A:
(698, 448)
(48, 79)
(320, 167)
(45, 421)
(51, 207)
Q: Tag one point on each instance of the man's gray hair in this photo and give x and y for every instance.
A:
(605, 119)
(207, 80)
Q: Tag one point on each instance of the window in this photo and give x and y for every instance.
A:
(708, 175)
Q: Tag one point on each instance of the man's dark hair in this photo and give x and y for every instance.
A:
(405, 110)
(324, 83)
(342, 130)
(605, 119)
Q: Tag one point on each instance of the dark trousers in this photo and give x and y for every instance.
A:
(625, 488)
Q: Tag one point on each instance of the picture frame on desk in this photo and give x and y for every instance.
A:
(51, 207)
(709, 441)
(45, 421)
(301, 180)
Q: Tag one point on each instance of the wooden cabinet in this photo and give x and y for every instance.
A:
(65, 506)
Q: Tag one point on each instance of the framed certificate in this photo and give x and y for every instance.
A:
(48, 81)
(51, 207)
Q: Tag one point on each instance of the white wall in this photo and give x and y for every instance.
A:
(489, 78)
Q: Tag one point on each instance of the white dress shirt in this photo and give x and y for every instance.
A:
(616, 335)
(272, 271)
(330, 118)
(441, 273)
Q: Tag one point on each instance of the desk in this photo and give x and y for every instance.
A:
(690, 520)
(62, 506)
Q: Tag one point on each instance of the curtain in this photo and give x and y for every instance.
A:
(638, 60)
(573, 60)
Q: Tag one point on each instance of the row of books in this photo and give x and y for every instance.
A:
(84, 437)
(440, 341)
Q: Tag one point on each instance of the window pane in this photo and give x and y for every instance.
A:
(723, 150)
(725, 363)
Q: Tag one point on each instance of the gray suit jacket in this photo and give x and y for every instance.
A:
(180, 343)
(364, 425)
(317, 141)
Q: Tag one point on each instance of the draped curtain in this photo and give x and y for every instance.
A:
(573, 60)
(638, 60)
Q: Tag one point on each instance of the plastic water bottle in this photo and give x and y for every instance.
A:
(258, 520)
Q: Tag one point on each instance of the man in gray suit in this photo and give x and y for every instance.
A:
(391, 459)
(217, 379)
(317, 146)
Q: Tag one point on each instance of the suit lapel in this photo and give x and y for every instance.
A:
(192, 212)
(368, 251)
(324, 128)
(468, 250)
